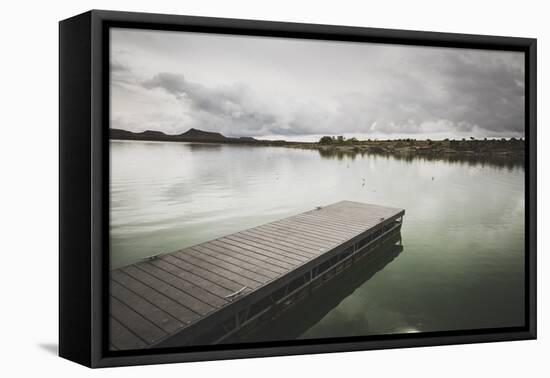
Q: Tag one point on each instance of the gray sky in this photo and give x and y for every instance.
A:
(301, 89)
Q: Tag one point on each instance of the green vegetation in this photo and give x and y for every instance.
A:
(327, 140)
(471, 146)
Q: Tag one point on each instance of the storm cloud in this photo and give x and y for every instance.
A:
(222, 108)
(268, 87)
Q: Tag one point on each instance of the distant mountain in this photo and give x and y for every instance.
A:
(248, 139)
(191, 135)
(152, 134)
(195, 134)
(145, 135)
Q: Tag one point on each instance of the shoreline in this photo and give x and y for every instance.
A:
(502, 149)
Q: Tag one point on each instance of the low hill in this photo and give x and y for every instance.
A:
(195, 134)
(191, 135)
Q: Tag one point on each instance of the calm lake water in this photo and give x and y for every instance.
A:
(461, 265)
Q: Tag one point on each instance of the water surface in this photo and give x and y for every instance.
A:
(461, 265)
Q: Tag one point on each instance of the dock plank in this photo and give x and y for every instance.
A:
(234, 267)
(188, 284)
(269, 244)
(182, 293)
(248, 240)
(213, 283)
(281, 240)
(219, 270)
(152, 301)
(272, 259)
(276, 242)
(123, 338)
(335, 220)
(139, 325)
(153, 305)
(294, 236)
(330, 224)
(247, 257)
(315, 231)
(308, 234)
(213, 251)
(328, 229)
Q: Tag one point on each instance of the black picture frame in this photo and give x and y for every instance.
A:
(83, 181)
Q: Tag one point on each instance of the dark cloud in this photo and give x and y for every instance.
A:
(461, 91)
(222, 108)
(118, 67)
(121, 74)
(487, 89)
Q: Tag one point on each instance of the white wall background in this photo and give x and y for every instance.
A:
(28, 148)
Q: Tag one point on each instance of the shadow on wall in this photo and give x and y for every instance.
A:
(52, 348)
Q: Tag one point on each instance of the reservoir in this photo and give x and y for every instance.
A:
(461, 260)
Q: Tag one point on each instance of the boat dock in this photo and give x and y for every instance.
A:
(207, 293)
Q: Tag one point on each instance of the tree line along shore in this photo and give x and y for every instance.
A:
(475, 147)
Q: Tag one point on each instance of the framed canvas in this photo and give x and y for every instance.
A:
(235, 188)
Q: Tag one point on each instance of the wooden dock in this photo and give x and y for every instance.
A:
(209, 292)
